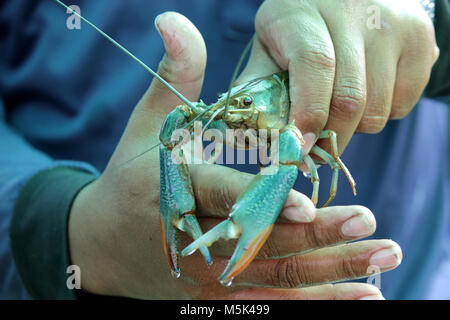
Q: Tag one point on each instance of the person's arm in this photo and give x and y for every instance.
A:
(32, 223)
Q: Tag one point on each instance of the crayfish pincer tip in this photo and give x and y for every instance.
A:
(187, 252)
(206, 255)
(208, 260)
(225, 281)
(175, 273)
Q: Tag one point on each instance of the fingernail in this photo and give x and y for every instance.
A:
(356, 227)
(298, 214)
(372, 297)
(386, 258)
(156, 23)
(310, 140)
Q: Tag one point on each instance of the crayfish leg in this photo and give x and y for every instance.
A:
(177, 208)
(245, 252)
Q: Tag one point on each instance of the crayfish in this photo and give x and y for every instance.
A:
(262, 103)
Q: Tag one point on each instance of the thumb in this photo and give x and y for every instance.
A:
(182, 66)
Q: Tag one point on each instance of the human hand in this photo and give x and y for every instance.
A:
(114, 228)
(346, 73)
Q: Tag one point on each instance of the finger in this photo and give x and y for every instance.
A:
(332, 264)
(182, 66)
(381, 75)
(216, 189)
(307, 51)
(259, 64)
(332, 225)
(342, 291)
(349, 92)
(184, 63)
(422, 53)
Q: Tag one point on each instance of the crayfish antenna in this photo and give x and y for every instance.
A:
(153, 73)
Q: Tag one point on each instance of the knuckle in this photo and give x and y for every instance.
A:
(348, 101)
(419, 23)
(166, 69)
(179, 69)
(318, 235)
(290, 273)
(348, 268)
(421, 42)
(423, 24)
(321, 57)
(269, 250)
(315, 114)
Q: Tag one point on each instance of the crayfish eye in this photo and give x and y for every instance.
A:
(247, 101)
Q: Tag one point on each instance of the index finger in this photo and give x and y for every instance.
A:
(303, 45)
(216, 189)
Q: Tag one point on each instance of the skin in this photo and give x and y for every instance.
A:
(114, 231)
(345, 76)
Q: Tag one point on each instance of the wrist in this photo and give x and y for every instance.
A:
(82, 248)
(85, 237)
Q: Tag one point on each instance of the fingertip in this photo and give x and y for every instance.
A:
(367, 213)
(155, 22)
(373, 294)
(182, 65)
(398, 251)
(310, 140)
(182, 41)
(299, 208)
(355, 291)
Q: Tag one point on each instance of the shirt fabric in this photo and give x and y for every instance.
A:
(66, 96)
